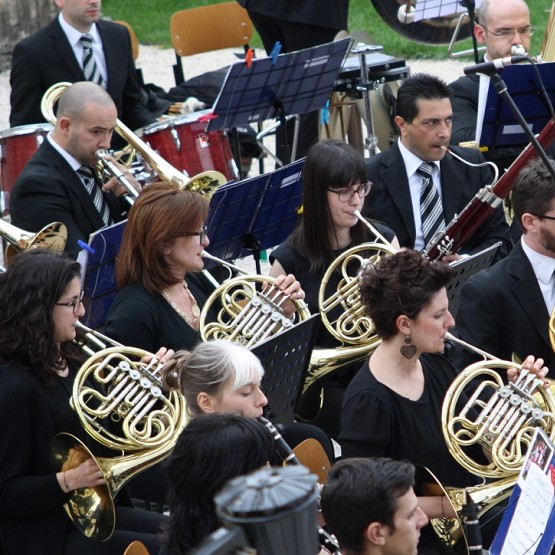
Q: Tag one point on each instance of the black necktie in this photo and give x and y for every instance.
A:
(95, 194)
(90, 67)
(431, 210)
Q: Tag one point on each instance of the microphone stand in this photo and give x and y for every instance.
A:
(470, 6)
(501, 88)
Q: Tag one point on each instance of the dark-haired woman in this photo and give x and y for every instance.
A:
(392, 407)
(334, 187)
(40, 302)
(210, 451)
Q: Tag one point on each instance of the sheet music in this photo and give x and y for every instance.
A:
(428, 9)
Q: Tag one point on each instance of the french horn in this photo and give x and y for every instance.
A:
(342, 312)
(115, 384)
(52, 237)
(246, 315)
(204, 183)
(480, 410)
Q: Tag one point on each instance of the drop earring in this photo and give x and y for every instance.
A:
(408, 350)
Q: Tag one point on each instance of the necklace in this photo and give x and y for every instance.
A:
(195, 310)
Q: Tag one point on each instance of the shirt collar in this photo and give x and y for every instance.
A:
(75, 164)
(543, 266)
(413, 162)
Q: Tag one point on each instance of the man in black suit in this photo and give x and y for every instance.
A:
(500, 25)
(55, 185)
(55, 53)
(424, 118)
(506, 308)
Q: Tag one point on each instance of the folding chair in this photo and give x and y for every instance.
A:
(208, 28)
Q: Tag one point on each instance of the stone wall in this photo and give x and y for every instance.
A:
(18, 19)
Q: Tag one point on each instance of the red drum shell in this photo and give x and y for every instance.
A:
(17, 146)
(184, 143)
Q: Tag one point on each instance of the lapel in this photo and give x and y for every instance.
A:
(67, 57)
(76, 191)
(396, 183)
(113, 56)
(529, 298)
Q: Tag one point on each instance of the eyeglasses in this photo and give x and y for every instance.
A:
(347, 194)
(544, 217)
(201, 234)
(75, 304)
(527, 31)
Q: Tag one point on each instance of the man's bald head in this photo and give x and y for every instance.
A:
(78, 96)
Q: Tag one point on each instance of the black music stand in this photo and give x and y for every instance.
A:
(466, 268)
(99, 282)
(285, 358)
(500, 128)
(254, 214)
(275, 87)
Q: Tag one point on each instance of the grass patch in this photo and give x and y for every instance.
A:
(150, 20)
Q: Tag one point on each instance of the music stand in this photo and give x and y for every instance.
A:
(466, 268)
(285, 358)
(500, 128)
(275, 87)
(99, 283)
(254, 214)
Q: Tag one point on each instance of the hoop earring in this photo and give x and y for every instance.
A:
(408, 350)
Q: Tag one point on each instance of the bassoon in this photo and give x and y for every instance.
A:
(464, 225)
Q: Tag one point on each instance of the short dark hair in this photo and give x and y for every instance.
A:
(330, 164)
(533, 191)
(211, 450)
(360, 491)
(419, 86)
(34, 282)
(401, 283)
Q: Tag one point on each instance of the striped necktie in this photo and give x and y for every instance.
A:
(90, 67)
(95, 194)
(431, 210)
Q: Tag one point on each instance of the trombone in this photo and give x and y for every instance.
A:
(204, 183)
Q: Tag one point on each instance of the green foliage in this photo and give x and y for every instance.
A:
(150, 20)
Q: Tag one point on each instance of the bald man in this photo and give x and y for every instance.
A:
(500, 25)
(57, 184)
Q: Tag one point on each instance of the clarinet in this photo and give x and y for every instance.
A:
(327, 541)
(464, 225)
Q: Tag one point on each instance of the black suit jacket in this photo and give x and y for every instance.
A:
(48, 190)
(389, 200)
(502, 311)
(46, 58)
(464, 101)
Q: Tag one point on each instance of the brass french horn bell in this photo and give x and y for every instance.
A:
(204, 183)
(52, 237)
(115, 384)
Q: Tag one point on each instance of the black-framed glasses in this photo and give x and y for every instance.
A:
(347, 193)
(544, 217)
(74, 304)
(527, 31)
(201, 234)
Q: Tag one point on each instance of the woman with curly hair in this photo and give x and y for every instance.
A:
(40, 303)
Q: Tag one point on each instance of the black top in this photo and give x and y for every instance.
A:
(377, 422)
(147, 321)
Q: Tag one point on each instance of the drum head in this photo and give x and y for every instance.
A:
(429, 31)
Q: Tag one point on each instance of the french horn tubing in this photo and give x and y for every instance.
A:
(116, 385)
(204, 183)
(342, 312)
(245, 314)
(480, 410)
(52, 237)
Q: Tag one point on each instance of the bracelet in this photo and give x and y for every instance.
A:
(67, 487)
